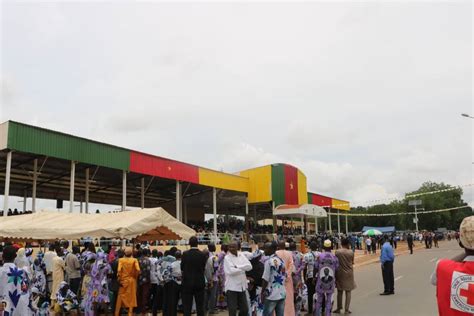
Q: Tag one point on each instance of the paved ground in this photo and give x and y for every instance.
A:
(414, 293)
(415, 296)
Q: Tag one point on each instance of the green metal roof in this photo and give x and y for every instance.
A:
(40, 141)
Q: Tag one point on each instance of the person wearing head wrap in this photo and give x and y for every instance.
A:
(297, 277)
(287, 258)
(65, 298)
(39, 275)
(14, 281)
(309, 274)
(21, 261)
(221, 299)
(88, 261)
(454, 279)
(97, 290)
(254, 278)
(326, 265)
(127, 274)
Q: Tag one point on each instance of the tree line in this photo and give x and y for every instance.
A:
(430, 221)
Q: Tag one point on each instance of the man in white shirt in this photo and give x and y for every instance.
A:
(368, 242)
(235, 266)
(48, 262)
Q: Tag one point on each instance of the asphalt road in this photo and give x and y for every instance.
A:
(414, 294)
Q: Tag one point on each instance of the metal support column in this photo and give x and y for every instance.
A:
(87, 191)
(185, 212)
(275, 228)
(247, 222)
(7, 183)
(347, 226)
(316, 230)
(24, 201)
(124, 190)
(329, 220)
(214, 211)
(142, 193)
(179, 211)
(71, 186)
(338, 222)
(35, 181)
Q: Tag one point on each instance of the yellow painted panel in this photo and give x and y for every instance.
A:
(302, 190)
(341, 205)
(223, 180)
(260, 184)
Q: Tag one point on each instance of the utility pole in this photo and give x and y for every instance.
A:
(415, 203)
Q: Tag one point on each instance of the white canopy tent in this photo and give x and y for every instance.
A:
(302, 211)
(146, 224)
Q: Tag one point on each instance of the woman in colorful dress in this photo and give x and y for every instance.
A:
(221, 301)
(97, 290)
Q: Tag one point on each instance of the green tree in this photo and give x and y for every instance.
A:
(432, 201)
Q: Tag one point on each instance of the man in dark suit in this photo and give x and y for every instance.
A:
(193, 264)
(410, 243)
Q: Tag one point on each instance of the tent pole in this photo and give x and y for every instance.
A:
(7, 183)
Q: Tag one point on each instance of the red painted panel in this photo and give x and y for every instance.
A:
(164, 168)
(291, 185)
(321, 200)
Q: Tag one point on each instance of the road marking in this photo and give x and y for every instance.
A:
(398, 278)
(434, 259)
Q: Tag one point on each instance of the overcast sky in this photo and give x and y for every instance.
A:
(364, 97)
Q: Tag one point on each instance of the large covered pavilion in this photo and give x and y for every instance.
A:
(39, 163)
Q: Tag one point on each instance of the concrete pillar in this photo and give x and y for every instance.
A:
(316, 225)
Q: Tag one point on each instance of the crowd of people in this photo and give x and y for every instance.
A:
(274, 278)
(277, 278)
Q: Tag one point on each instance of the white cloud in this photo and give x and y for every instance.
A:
(361, 96)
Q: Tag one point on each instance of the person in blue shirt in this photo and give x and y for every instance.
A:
(386, 259)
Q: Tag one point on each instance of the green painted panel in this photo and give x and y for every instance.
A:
(278, 184)
(40, 141)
